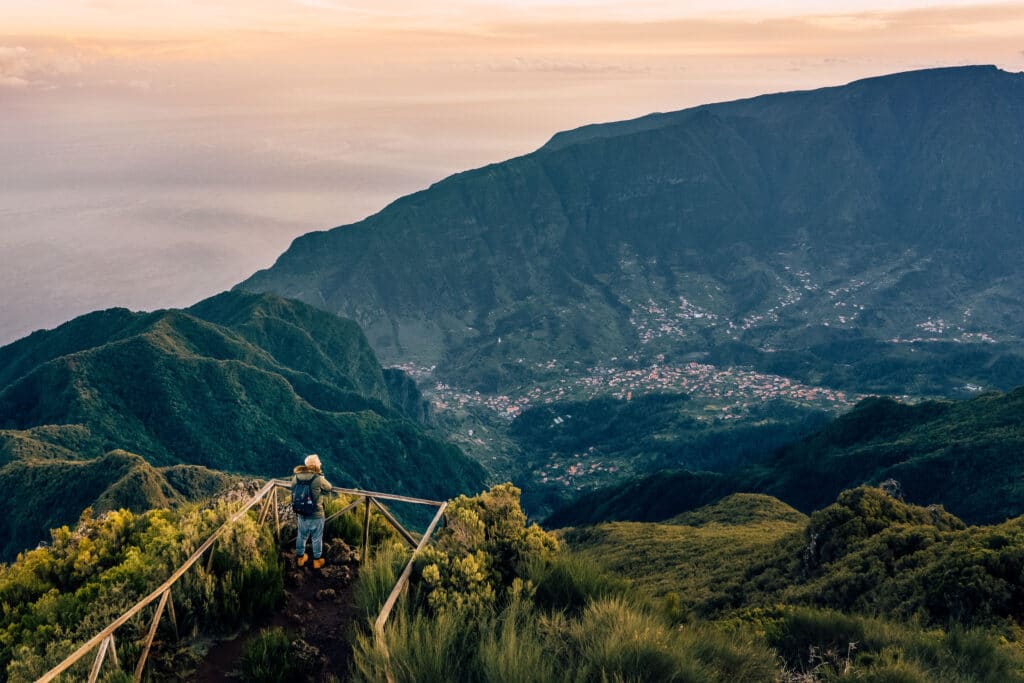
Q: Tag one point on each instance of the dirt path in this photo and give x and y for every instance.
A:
(317, 613)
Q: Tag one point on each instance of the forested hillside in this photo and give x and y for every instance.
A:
(239, 383)
(964, 455)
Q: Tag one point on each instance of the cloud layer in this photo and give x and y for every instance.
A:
(152, 158)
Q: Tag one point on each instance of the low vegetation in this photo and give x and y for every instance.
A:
(694, 557)
(745, 590)
(496, 600)
(269, 658)
(56, 597)
(867, 589)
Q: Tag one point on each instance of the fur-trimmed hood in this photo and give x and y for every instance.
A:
(302, 469)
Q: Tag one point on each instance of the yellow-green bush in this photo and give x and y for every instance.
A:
(56, 597)
(485, 545)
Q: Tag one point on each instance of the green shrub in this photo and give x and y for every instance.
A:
(978, 655)
(495, 624)
(900, 672)
(737, 656)
(803, 636)
(484, 547)
(615, 640)
(831, 645)
(349, 526)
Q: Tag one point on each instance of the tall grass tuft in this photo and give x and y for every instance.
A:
(117, 677)
(377, 578)
(738, 656)
(614, 640)
(610, 639)
(568, 582)
(803, 637)
(898, 672)
(513, 649)
(823, 645)
(265, 658)
(416, 649)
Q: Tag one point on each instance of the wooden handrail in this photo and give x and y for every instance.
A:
(121, 620)
(402, 531)
(105, 638)
(389, 604)
(287, 484)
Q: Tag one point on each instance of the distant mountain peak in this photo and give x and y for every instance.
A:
(821, 223)
(928, 78)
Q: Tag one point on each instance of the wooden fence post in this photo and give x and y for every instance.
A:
(209, 560)
(97, 663)
(277, 517)
(403, 579)
(149, 636)
(170, 613)
(264, 510)
(403, 532)
(113, 652)
(366, 532)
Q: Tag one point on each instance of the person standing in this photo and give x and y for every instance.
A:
(308, 487)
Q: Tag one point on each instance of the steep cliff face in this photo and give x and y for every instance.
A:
(887, 209)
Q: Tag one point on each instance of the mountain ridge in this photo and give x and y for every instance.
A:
(959, 454)
(885, 211)
(658, 119)
(171, 389)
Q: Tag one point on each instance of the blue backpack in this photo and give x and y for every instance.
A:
(302, 499)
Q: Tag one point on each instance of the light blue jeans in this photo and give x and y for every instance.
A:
(310, 526)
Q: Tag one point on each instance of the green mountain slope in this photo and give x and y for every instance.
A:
(239, 383)
(837, 235)
(45, 490)
(690, 556)
(867, 553)
(571, 446)
(964, 455)
(302, 338)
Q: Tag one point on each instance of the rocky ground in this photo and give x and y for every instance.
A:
(317, 613)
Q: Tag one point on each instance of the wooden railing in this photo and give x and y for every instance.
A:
(267, 497)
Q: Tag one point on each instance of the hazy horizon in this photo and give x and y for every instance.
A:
(151, 161)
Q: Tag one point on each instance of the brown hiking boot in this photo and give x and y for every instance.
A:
(319, 562)
(300, 561)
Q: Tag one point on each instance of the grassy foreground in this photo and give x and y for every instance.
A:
(747, 590)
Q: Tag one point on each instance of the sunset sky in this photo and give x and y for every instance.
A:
(155, 153)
